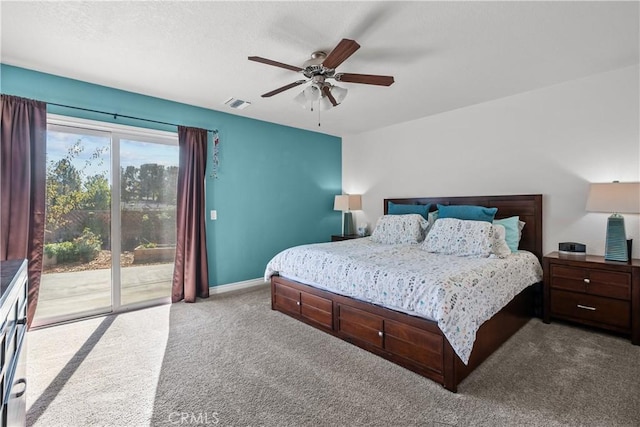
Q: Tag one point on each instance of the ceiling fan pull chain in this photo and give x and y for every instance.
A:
(318, 113)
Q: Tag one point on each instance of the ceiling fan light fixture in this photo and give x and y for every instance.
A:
(311, 93)
(325, 104)
(302, 100)
(308, 96)
(339, 93)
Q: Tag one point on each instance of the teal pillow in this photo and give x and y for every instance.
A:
(512, 228)
(398, 209)
(432, 217)
(467, 212)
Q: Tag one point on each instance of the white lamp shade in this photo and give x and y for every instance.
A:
(339, 93)
(325, 104)
(302, 100)
(347, 202)
(614, 197)
(311, 93)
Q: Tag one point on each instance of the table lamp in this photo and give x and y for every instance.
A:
(347, 203)
(616, 197)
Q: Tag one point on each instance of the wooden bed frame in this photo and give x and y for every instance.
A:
(413, 342)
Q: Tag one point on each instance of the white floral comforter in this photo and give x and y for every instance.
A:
(459, 293)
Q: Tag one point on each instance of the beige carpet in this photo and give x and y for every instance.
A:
(231, 361)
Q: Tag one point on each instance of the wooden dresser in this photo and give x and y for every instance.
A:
(13, 337)
(594, 292)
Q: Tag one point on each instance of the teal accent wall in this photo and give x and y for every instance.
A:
(275, 184)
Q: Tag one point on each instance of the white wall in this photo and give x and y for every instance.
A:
(552, 141)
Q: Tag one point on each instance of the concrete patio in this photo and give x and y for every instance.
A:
(81, 291)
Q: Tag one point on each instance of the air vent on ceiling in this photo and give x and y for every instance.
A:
(238, 104)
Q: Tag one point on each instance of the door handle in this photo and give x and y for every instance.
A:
(24, 389)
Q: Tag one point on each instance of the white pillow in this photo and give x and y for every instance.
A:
(499, 247)
(396, 229)
(453, 236)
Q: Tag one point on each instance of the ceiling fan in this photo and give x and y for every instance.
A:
(318, 69)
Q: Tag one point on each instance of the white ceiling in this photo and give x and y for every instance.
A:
(443, 55)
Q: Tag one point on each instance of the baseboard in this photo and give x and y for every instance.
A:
(237, 286)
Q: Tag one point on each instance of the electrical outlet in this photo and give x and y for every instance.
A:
(214, 215)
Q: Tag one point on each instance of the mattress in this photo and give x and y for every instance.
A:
(459, 293)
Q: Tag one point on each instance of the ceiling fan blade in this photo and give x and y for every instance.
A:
(340, 53)
(327, 92)
(274, 63)
(283, 88)
(367, 79)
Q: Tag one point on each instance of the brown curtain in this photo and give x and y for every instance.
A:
(191, 274)
(22, 189)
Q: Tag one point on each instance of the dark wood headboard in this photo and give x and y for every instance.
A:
(527, 207)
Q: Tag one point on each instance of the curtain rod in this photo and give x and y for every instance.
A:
(116, 115)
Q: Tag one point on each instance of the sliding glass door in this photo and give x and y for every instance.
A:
(76, 279)
(110, 190)
(148, 182)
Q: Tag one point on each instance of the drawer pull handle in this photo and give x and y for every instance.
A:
(380, 334)
(586, 280)
(586, 307)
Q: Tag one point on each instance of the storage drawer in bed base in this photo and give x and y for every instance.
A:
(412, 342)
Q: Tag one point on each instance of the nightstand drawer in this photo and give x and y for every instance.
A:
(610, 284)
(577, 306)
(568, 278)
(595, 282)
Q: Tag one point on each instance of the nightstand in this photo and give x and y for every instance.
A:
(340, 237)
(594, 292)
